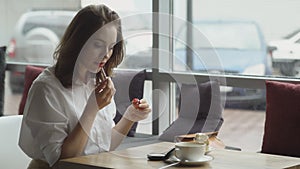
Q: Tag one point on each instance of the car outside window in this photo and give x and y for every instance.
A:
(57, 24)
(228, 35)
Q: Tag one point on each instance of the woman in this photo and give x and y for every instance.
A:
(69, 110)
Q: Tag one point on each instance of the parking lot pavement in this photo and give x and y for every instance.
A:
(243, 129)
(11, 101)
(12, 104)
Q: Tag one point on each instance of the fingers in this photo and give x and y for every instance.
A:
(134, 114)
(142, 113)
(104, 93)
(109, 90)
(106, 87)
(143, 104)
(145, 110)
(99, 88)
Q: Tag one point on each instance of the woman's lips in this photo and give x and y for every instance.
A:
(101, 64)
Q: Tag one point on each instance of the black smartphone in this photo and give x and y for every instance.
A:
(160, 156)
(156, 156)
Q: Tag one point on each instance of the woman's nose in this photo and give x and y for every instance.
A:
(109, 53)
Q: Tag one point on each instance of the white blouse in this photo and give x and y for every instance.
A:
(51, 113)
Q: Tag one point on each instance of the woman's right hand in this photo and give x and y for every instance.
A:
(102, 94)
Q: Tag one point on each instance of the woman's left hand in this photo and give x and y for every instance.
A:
(138, 113)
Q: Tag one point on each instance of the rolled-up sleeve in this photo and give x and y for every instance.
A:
(45, 124)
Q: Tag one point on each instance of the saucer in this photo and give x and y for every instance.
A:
(201, 161)
(206, 158)
(209, 150)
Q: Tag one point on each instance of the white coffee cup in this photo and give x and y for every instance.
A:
(189, 151)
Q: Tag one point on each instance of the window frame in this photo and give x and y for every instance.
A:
(163, 77)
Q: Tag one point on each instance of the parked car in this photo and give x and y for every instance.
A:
(35, 37)
(240, 46)
(287, 54)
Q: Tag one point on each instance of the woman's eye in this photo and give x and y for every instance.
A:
(99, 45)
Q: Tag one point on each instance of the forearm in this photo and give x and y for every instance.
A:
(130, 116)
(75, 143)
(119, 132)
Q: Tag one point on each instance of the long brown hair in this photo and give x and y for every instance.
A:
(86, 22)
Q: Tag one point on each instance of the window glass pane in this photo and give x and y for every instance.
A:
(243, 38)
(32, 30)
(247, 39)
(237, 36)
(244, 116)
(243, 128)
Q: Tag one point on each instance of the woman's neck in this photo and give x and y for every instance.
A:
(82, 74)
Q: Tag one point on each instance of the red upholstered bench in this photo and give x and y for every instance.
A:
(282, 127)
(31, 73)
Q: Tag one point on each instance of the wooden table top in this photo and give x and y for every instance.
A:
(136, 158)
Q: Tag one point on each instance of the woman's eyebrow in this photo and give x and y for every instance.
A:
(100, 40)
(103, 41)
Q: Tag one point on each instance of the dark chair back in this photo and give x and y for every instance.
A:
(200, 110)
(2, 78)
(129, 85)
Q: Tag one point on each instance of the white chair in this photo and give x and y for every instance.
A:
(11, 156)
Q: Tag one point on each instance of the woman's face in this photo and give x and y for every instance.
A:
(98, 49)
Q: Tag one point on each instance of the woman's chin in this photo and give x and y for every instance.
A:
(96, 70)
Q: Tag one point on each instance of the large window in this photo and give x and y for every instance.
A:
(240, 43)
(243, 43)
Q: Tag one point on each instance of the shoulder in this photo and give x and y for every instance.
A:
(46, 93)
(47, 79)
(46, 85)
